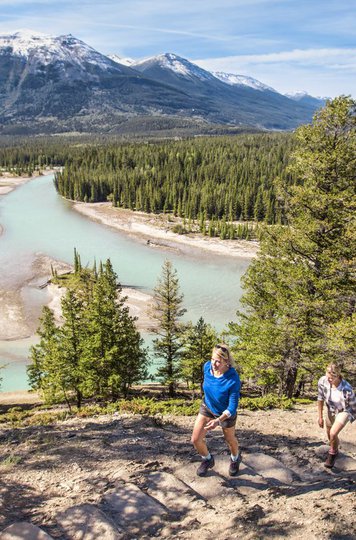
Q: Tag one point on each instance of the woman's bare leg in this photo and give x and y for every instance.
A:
(198, 435)
(231, 439)
(333, 436)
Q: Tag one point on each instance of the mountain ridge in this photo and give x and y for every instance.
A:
(44, 79)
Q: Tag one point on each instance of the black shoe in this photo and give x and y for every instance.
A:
(205, 465)
(235, 465)
(330, 460)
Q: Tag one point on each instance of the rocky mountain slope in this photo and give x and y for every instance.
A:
(61, 84)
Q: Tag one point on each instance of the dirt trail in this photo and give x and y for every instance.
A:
(124, 476)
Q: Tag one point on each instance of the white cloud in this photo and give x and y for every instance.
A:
(303, 56)
(329, 71)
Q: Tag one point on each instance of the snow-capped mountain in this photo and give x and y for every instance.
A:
(242, 80)
(176, 64)
(307, 99)
(65, 83)
(45, 50)
(119, 60)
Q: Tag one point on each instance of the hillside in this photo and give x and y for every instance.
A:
(125, 476)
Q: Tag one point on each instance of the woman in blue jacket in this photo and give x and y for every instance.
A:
(221, 389)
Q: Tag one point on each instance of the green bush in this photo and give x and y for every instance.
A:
(150, 406)
(179, 229)
(270, 401)
(46, 418)
(14, 416)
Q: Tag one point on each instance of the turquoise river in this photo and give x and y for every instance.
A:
(35, 219)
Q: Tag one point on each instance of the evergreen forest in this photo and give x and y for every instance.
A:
(222, 178)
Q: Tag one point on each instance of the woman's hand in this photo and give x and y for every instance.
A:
(212, 424)
(321, 422)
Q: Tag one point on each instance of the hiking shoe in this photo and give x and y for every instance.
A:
(330, 460)
(205, 465)
(235, 465)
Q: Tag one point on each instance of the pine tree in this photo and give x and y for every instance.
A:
(114, 353)
(46, 372)
(167, 311)
(198, 342)
(72, 335)
(300, 289)
(97, 351)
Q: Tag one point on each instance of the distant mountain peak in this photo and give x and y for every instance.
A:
(299, 94)
(304, 97)
(177, 64)
(242, 80)
(46, 49)
(23, 41)
(120, 60)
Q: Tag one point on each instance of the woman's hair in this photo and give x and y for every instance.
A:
(335, 369)
(223, 351)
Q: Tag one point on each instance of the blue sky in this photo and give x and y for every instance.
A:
(288, 44)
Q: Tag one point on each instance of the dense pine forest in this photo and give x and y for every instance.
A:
(213, 180)
(228, 178)
(231, 177)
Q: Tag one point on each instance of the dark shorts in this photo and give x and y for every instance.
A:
(229, 422)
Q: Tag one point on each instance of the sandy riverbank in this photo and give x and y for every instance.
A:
(155, 231)
(137, 302)
(21, 397)
(18, 320)
(8, 182)
(18, 314)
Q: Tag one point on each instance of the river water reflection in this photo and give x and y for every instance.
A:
(37, 220)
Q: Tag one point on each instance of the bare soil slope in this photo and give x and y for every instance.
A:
(125, 476)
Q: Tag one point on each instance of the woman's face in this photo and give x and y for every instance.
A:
(332, 377)
(218, 363)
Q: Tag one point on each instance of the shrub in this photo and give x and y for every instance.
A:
(270, 401)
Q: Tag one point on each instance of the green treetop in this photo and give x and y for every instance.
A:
(300, 289)
(167, 311)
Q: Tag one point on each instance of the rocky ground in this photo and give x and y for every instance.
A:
(125, 476)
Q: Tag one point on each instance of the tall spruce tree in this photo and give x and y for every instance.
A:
(47, 373)
(198, 342)
(167, 311)
(300, 289)
(72, 336)
(114, 354)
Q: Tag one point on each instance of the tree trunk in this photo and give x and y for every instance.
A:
(171, 389)
(300, 388)
(79, 399)
(290, 378)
